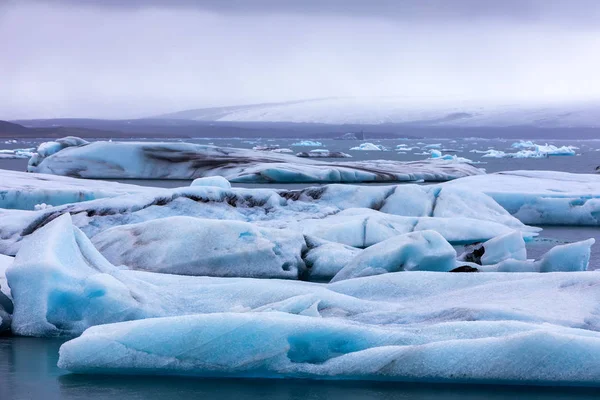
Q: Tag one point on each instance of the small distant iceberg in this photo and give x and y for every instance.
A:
(438, 155)
(307, 143)
(369, 147)
(322, 153)
(17, 153)
(272, 148)
(433, 146)
(539, 152)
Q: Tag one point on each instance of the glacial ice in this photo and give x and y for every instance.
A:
(461, 216)
(536, 151)
(217, 181)
(438, 155)
(541, 197)
(188, 161)
(369, 147)
(196, 246)
(415, 251)
(274, 344)
(22, 190)
(325, 259)
(307, 143)
(16, 153)
(6, 305)
(321, 153)
(62, 285)
(509, 246)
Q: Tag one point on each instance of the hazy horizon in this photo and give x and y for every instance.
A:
(103, 59)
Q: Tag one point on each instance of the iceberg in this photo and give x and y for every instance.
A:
(217, 181)
(277, 345)
(369, 147)
(62, 285)
(307, 143)
(538, 151)
(461, 216)
(541, 197)
(438, 155)
(195, 246)
(325, 259)
(415, 251)
(146, 160)
(6, 305)
(320, 153)
(16, 153)
(509, 246)
(22, 190)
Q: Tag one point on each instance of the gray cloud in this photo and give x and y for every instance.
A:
(573, 12)
(103, 59)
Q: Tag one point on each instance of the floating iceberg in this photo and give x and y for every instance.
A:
(369, 147)
(538, 151)
(321, 153)
(61, 285)
(541, 197)
(17, 153)
(415, 251)
(217, 181)
(438, 155)
(307, 143)
(276, 345)
(461, 216)
(22, 190)
(509, 246)
(188, 161)
(195, 246)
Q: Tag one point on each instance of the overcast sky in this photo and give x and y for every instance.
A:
(133, 58)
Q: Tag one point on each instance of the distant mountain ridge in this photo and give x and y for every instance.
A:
(405, 111)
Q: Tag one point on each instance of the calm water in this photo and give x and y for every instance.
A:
(28, 366)
(28, 372)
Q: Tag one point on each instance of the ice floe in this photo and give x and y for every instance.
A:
(322, 153)
(61, 284)
(276, 345)
(147, 160)
(541, 197)
(369, 147)
(307, 143)
(17, 153)
(22, 190)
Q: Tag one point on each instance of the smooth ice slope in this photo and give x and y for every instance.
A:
(197, 246)
(416, 251)
(541, 197)
(62, 285)
(188, 161)
(22, 190)
(284, 345)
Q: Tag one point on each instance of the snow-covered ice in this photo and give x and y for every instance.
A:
(379, 212)
(217, 181)
(307, 143)
(147, 160)
(196, 246)
(322, 153)
(369, 147)
(61, 284)
(22, 190)
(415, 251)
(541, 197)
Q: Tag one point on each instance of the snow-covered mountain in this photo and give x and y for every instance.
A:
(424, 112)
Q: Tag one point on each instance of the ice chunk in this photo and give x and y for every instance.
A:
(5, 262)
(504, 247)
(6, 305)
(325, 259)
(195, 246)
(416, 251)
(149, 160)
(16, 153)
(364, 227)
(275, 345)
(568, 257)
(321, 153)
(541, 197)
(22, 190)
(307, 143)
(369, 147)
(217, 181)
(62, 285)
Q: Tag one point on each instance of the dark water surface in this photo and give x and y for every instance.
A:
(28, 372)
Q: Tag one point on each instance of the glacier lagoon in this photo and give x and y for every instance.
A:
(549, 238)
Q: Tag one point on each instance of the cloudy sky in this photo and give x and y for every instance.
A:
(133, 58)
